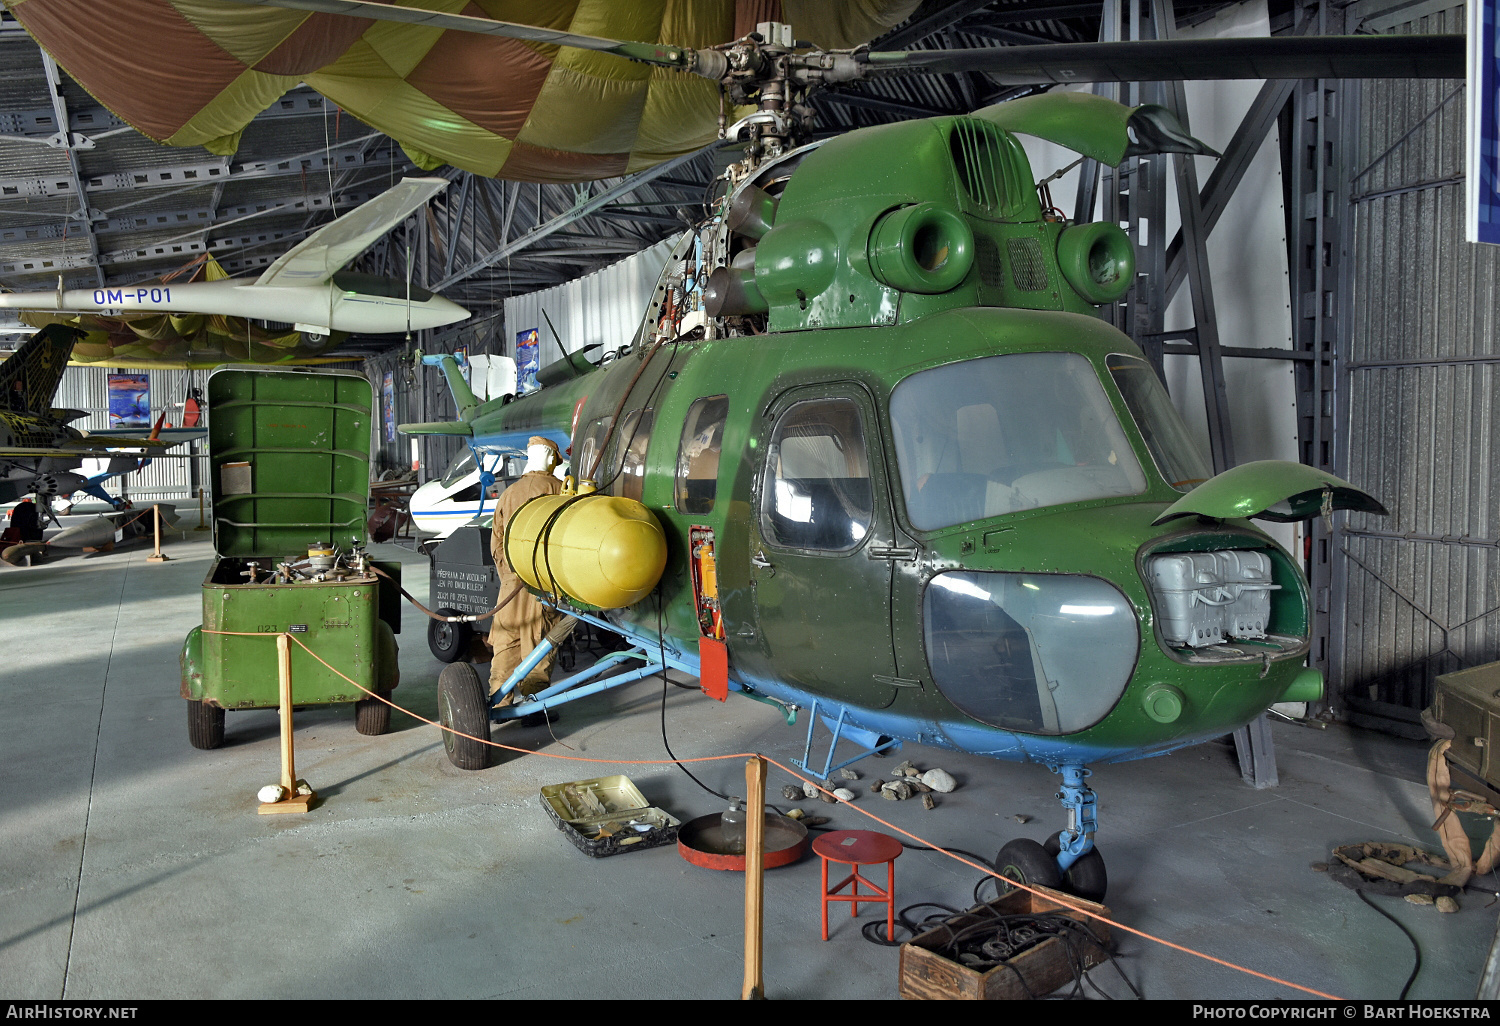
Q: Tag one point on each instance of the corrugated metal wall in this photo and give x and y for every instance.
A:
(605, 307)
(87, 388)
(1419, 588)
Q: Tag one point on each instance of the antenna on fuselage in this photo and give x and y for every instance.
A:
(555, 336)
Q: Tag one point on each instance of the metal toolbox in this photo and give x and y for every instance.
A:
(1468, 703)
(608, 815)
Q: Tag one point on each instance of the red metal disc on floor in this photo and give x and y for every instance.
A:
(701, 842)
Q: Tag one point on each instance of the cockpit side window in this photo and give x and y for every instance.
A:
(817, 491)
(1172, 446)
(462, 466)
(628, 472)
(698, 455)
(587, 450)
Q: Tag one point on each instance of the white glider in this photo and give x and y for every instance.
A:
(306, 286)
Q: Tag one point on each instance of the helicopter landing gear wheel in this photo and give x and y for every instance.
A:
(1027, 862)
(1086, 877)
(464, 707)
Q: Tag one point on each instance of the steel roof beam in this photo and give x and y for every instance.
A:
(883, 104)
(641, 217)
(49, 265)
(932, 17)
(60, 112)
(196, 174)
(41, 122)
(622, 188)
(1007, 35)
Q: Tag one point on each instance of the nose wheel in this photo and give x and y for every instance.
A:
(1028, 862)
(1085, 877)
(1068, 860)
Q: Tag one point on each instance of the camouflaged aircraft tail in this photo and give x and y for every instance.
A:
(29, 379)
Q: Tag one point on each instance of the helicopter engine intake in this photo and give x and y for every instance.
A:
(924, 248)
(1098, 260)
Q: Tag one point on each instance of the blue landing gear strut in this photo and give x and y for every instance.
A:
(465, 708)
(571, 688)
(1081, 804)
(870, 743)
(1079, 865)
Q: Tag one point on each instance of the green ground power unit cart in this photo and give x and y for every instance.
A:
(289, 469)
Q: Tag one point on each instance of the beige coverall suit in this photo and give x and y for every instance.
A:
(520, 626)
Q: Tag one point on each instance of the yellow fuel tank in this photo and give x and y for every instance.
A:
(603, 550)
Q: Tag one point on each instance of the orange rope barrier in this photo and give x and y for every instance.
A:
(1053, 896)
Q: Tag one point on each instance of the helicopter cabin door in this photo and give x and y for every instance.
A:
(821, 546)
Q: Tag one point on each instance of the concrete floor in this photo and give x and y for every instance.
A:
(133, 866)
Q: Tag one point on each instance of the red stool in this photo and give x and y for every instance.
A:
(860, 848)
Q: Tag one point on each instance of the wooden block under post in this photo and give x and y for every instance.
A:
(296, 803)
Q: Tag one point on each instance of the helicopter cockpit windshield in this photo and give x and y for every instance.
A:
(983, 438)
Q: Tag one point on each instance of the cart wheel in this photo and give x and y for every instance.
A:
(372, 716)
(464, 707)
(205, 725)
(448, 641)
(1027, 862)
(1086, 877)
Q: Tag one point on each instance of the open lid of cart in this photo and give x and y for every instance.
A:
(289, 458)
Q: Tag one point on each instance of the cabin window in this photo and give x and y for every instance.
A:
(587, 450)
(983, 438)
(698, 455)
(1172, 446)
(817, 492)
(627, 475)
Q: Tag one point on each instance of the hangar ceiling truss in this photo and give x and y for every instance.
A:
(83, 196)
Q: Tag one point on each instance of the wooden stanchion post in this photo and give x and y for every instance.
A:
(156, 556)
(294, 801)
(201, 525)
(755, 894)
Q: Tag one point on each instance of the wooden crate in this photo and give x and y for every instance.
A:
(928, 975)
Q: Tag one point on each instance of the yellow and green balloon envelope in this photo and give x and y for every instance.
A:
(195, 72)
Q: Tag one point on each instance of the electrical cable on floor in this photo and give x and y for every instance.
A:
(661, 642)
(1012, 933)
(1415, 948)
(995, 938)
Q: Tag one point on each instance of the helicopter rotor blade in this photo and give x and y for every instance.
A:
(1408, 56)
(649, 53)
